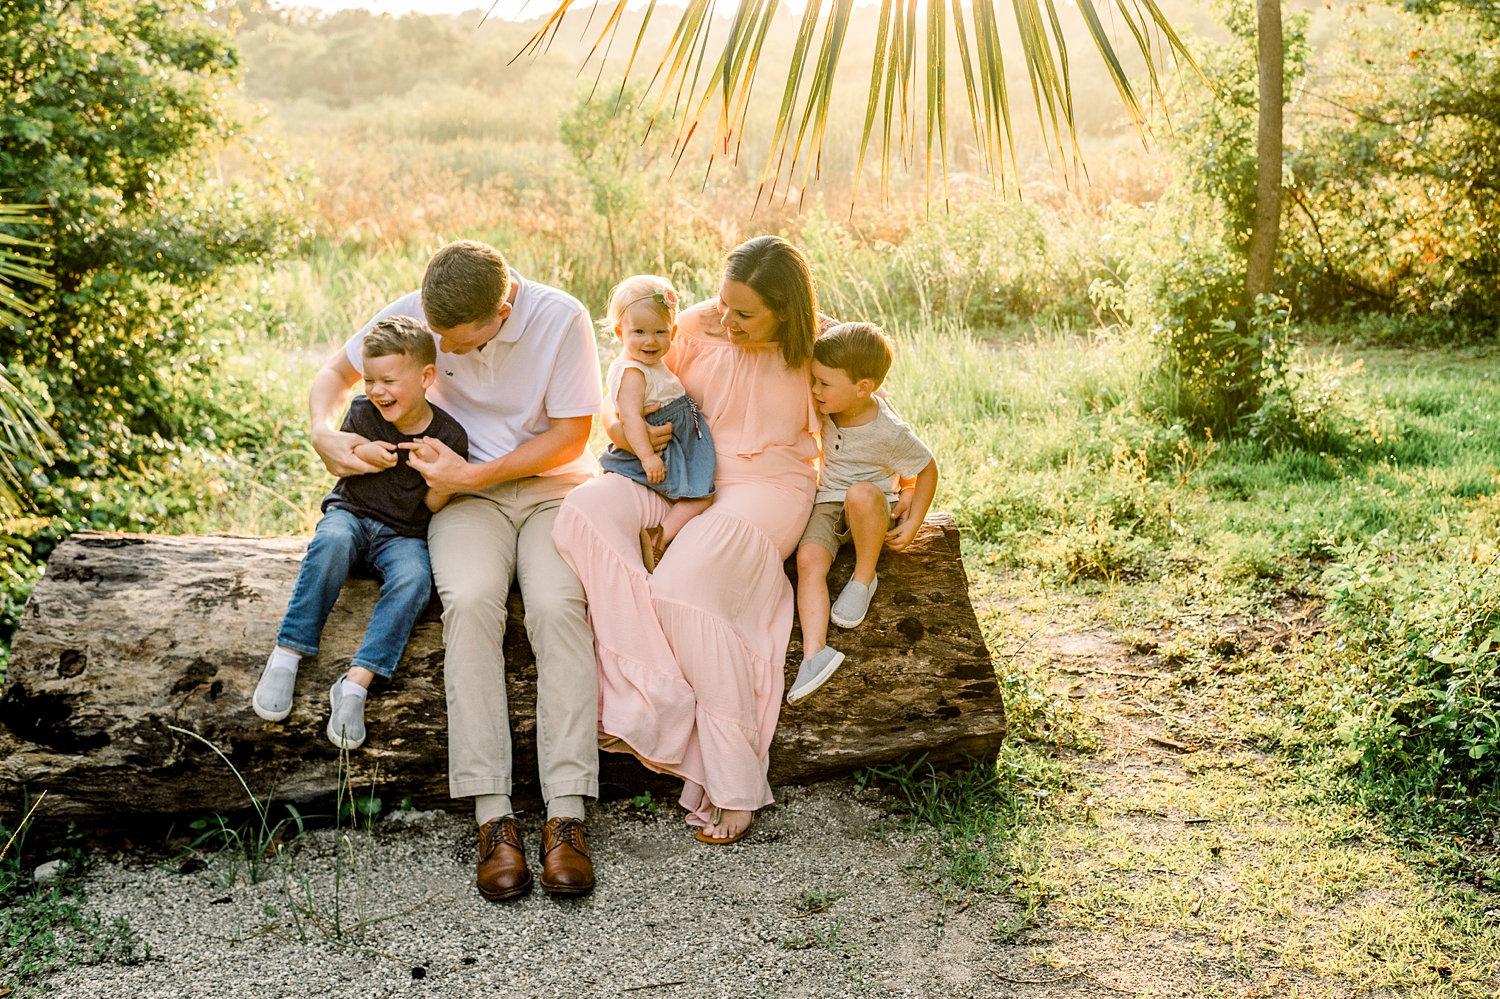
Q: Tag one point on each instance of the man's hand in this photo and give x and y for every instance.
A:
(339, 450)
(327, 399)
(381, 454)
(439, 464)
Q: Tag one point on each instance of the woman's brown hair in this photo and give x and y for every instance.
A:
(776, 271)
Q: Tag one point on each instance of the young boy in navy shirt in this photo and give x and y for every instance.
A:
(378, 520)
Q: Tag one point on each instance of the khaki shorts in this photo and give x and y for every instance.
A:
(828, 527)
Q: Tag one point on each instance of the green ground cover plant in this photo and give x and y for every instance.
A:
(44, 925)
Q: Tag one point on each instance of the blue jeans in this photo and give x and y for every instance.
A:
(341, 542)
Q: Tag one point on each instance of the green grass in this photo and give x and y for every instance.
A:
(1332, 848)
(1082, 511)
(45, 926)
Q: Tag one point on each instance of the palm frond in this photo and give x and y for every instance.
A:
(24, 433)
(708, 70)
(22, 263)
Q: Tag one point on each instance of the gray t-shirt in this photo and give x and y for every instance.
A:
(883, 451)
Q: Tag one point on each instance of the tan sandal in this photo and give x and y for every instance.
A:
(653, 547)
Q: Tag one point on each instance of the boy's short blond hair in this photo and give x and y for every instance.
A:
(465, 282)
(859, 350)
(400, 335)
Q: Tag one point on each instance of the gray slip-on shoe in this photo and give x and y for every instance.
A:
(346, 725)
(273, 694)
(814, 672)
(853, 604)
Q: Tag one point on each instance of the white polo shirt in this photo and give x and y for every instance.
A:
(543, 365)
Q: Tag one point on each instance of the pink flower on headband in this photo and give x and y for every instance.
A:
(666, 296)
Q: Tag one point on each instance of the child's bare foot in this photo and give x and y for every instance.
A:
(728, 826)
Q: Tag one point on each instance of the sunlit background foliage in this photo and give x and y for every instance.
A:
(229, 189)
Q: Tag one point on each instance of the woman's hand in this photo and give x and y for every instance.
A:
(614, 428)
(660, 436)
(439, 464)
(380, 454)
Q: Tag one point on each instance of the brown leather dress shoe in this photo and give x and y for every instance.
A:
(502, 860)
(566, 867)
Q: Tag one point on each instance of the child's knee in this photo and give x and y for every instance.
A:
(335, 540)
(864, 499)
(813, 560)
(413, 581)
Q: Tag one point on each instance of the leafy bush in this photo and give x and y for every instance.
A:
(1215, 129)
(111, 116)
(1418, 704)
(140, 225)
(1393, 173)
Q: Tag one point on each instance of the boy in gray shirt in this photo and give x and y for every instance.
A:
(867, 454)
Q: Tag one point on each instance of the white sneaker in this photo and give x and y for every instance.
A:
(853, 603)
(814, 672)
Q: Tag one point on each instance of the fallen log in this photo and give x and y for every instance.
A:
(128, 639)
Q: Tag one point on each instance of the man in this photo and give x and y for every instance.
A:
(519, 370)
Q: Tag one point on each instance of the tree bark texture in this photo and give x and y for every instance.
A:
(128, 637)
(1260, 267)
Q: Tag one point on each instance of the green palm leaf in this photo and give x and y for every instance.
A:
(24, 433)
(708, 68)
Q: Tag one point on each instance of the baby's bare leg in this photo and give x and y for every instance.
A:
(682, 511)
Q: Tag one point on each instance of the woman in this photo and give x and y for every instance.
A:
(691, 658)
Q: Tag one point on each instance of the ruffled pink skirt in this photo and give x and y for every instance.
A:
(691, 658)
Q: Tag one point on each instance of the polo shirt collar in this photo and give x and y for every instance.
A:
(511, 330)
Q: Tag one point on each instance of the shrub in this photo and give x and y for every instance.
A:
(1418, 704)
(110, 116)
(140, 224)
(1394, 172)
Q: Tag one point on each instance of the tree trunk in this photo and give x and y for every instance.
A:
(1265, 230)
(127, 637)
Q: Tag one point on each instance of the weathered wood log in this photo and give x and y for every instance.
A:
(128, 637)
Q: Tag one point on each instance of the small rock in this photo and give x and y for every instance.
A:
(50, 871)
(414, 817)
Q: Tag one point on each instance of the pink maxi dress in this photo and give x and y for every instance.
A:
(692, 658)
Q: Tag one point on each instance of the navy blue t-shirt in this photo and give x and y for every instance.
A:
(395, 496)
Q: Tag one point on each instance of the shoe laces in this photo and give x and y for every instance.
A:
(570, 831)
(497, 831)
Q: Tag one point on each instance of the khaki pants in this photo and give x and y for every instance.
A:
(478, 542)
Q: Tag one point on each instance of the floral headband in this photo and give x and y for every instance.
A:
(661, 296)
